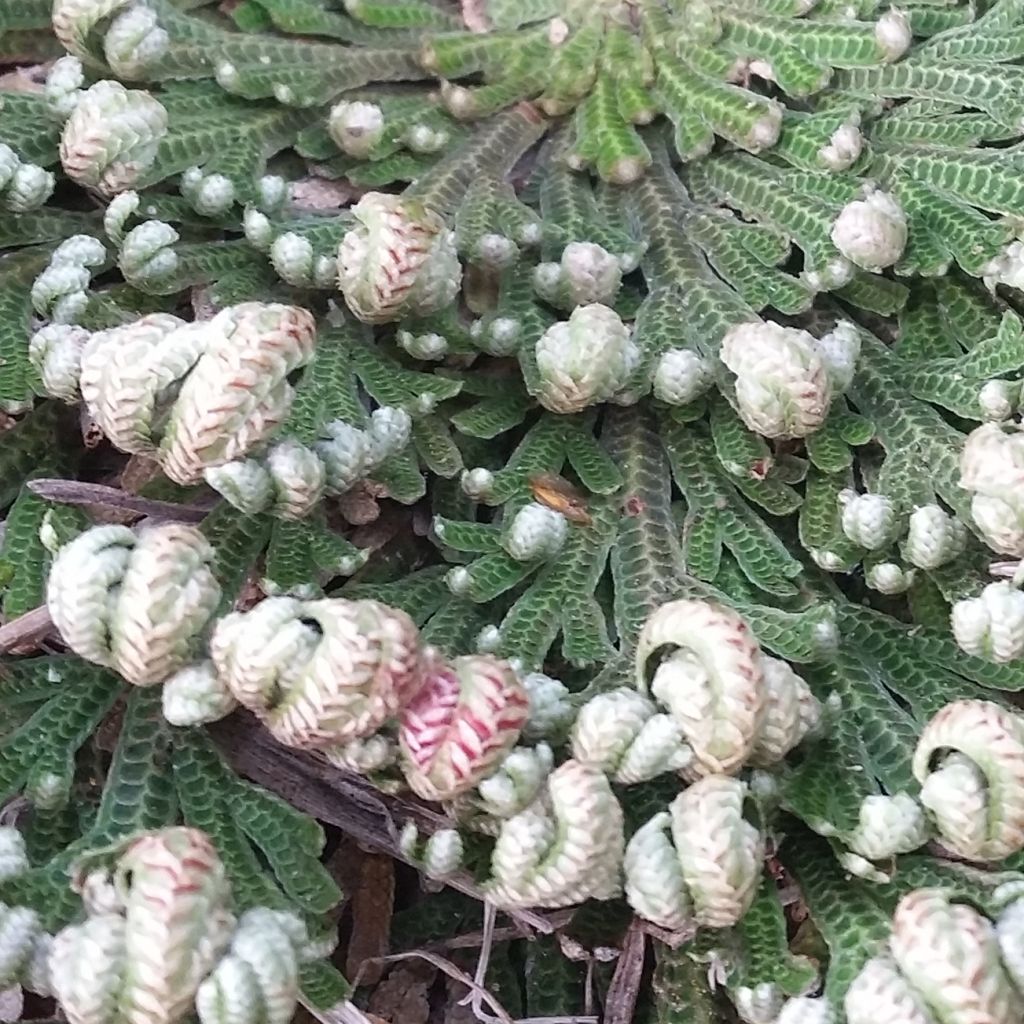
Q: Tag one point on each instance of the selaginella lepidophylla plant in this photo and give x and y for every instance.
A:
(612, 411)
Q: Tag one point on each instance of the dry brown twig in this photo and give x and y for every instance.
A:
(342, 799)
(75, 492)
(27, 630)
(620, 1003)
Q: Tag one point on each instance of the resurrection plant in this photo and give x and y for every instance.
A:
(598, 420)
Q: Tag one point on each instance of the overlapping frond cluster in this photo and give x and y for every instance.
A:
(600, 418)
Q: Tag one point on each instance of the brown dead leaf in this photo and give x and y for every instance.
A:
(371, 901)
(250, 595)
(456, 1010)
(25, 79)
(402, 997)
(620, 1002)
(138, 471)
(311, 195)
(203, 306)
(474, 15)
(91, 433)
(22, 635)
(359, 505)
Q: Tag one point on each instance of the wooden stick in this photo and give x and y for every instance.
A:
(340, 798)
(75, 492)
(26, 629)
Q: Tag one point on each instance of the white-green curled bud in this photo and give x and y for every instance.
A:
(888, 825)
(711, 874)
(344, 451)
(364, 756)
(134, 38)
(439, 857)
(19, 931)
(258, 230)
(135, 603)
(655, 887)
(59, 292)
(536, 532)
(35, 976)
(934, 537)
(495, 251)
(563, 849)
(498, 336)
(147, 257)
(682, 376)
(889, 578)
(272, 190)
(292, 258)
(398, 260)
(13, 854)
(893, 34)
(517, 781)
(237, 392)
(459, 580)
(297, 475)
(583, 361)
(422, 138)
(337, 669)
(111, 138)
(325, 271)
(880, 993)
(783, 386)
(758, 1004)
(423, 346)
(711, 679)
(871, 232)
(622, 733)
(1010, 935)
(991, 464)
(550, 708)
(970, 763)
(195, 695)
(257, 982)
(806, 1010)
(389, 432)
(207, 194)
(229, 376)
(56, 353)
(48, 790)
(87, 968)
(998, 399)
(488, 640)
(586, 274)
(949, 954)
(955, 795)
(245, 484)
(1000, 523)
(356, 127)
(991, 625)
(9, 163)
(720, 853)
(442, 854)
(99, 894)
(119, 211)
(63, 84)
(790, 712)
(869, 520)
(230, 994)
(839, 350)
(477, 483)
(28, 187)
(843, 149)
